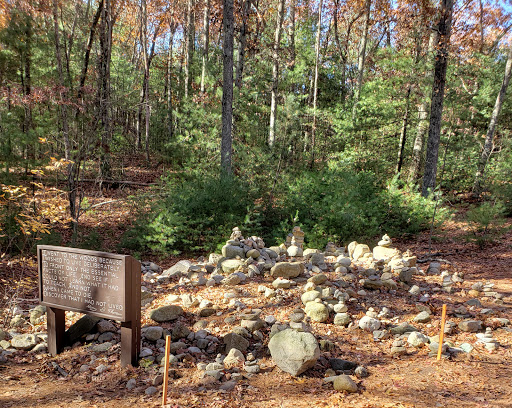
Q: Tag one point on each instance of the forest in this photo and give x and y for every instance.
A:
(351, 118)
(317, 193)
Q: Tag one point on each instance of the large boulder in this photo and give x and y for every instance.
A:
(81, 327)
(166, 313)
(287, 269)
(293, 351)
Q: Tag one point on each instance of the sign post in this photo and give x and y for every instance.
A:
(97, 283)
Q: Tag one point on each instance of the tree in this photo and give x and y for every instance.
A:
(315, 84)
(206, 43)
(227, 88)
(361, 57)
(436, 108)
(275, 74)
(488, 145)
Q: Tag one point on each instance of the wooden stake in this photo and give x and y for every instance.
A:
(166, 372)
(441, 335)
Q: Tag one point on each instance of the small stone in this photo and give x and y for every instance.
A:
(151, 390)
(471, 326)
(131, 384)
(100, 348)
(344, 383)
(104, 326)
(417, 339)
(342, 319)
(318, 312)
(361, 372)
(368, 323)
(422, 317)
(166, 313)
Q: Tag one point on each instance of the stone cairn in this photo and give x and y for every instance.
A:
(295, 242)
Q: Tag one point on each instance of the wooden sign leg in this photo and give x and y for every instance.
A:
(56, 327)
(130, 343)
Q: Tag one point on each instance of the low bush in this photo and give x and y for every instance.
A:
(335, 204)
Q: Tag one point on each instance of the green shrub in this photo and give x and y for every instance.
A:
(194, 215)
(484, 221)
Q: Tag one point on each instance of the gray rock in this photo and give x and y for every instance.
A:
(318, 312)
(153, 333)
(405, 275)
(470, 326)
(231, 265)
(233, 340)
(369, 324)
(361, 372)
(423, 317)
(166, 313)
(317, 259)
(81, 327)
(294, 250)
(151, 390)
(342, 319)
(403, 328)
(188, 300)
(417, 339)
(24, 341)
(344, 383)
(310, 296)
(294, 352)
(287, 269)
(231, 280)
(104, 326)
(107, 336)
(100, 348)
(3, 335)
(131, 383)
(232, 251)
(180, 268)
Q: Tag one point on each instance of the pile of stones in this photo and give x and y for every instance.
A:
(332, 285)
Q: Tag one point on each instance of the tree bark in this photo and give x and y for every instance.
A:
(241, 45)
(403, 133)
(361, 59)
(87, 54)
(103, 95)
(170, 128)
(189, 43)
(315, 84)
(206, 43)
(423, 108)
(275, 74)
(436, 108)
(488, 145)
(62, 91)
(227, 88)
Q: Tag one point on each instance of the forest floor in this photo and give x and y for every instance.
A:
(478, 379)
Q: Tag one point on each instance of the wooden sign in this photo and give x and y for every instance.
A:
(97, 283)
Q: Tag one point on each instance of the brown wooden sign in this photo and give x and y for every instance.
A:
(97, 283)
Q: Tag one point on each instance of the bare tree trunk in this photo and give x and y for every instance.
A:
(488, 145)
(436, 108)
(87, 54)
(403, 133)
(170, 128)
(103, 96)
(241, 45)
(206, 42)
(315, 85)
(423, 108)
(361, 58)
(62, 91)
(227, 89)
(292, 34)
(189, 42)
(275, 74)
